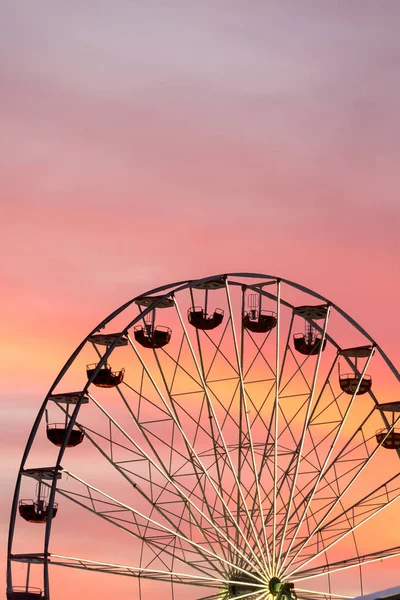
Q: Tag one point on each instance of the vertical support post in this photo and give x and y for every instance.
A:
(28, 571)
(66, 415)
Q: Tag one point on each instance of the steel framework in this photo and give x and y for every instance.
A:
(240, 464)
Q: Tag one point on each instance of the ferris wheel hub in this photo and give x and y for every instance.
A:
(274, 585)
(281, 590)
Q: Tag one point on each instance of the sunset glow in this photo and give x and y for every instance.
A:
(149, 143)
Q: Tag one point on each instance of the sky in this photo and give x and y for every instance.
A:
(144, 143)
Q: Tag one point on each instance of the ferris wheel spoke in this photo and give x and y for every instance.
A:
(257, 500)
(359, 513)
(211, 507)
(326, 461)
(214, 418)
(132, 571)
(155, 526)
(174, 404)
(243, 402)
(344, 565)
(142, 454)
(269, 427)
(109, 509)
(159, 507)
(299, 449)
(288, 422)
(209, 383)
(288, 476)
(360, 466)
(310, 596)
(191, 450)
(252, 595)
(276, 422)
(255, 516)
(337, 496)
(172, 413)
(184, 494)
(198, 475)
(317, 594)
(145, 432)
(285, 502)
(302, 493)
(181, 520)
(164, 512)
(285, 473)
(345, 456)
(138, 571)
(244, 409)
(121, 467)
(266, 494)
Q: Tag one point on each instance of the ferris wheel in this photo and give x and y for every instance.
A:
(237, 435)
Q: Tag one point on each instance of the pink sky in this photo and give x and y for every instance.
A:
(144, 143)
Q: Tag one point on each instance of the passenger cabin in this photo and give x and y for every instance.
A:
(150, 335)
(352, 383)
(389, 437)
(56, 433)
(69, 398)
(108, 339)
(199, 316)
(155, 301)
(24, 593)
(391, 440)
(36, 512)
(259, 321)
(310, 342)
(255, 319)
(105, 377)
(349, 383)
(200, 319)
(209, 284)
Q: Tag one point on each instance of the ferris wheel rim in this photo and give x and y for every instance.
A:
(189, 282)
(180, 286)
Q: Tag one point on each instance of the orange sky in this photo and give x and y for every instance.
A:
(156, 142)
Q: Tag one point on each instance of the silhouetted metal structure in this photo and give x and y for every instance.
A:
(247, 457)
